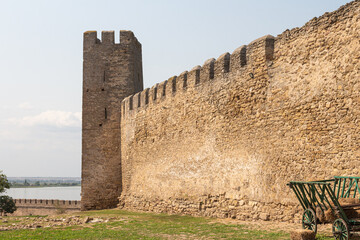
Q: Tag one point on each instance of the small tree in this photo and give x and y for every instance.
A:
(7, 204)
(26, 183)
(4, 184)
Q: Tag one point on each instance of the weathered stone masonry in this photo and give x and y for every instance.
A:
(111, 72)
(224, 139)
(44, 206)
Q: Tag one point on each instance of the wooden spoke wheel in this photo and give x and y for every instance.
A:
(340, 229)
(309, 220)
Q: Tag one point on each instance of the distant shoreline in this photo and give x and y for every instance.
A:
(42, 182)
(46, 186)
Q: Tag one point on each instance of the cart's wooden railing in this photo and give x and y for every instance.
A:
(346, 187)
(325, 194)
(314, 194)
(318, 194)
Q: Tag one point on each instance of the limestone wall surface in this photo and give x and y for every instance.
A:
(225, 138)
(45, 207)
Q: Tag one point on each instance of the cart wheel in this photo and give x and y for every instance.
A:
(340, 229)
(309, 220)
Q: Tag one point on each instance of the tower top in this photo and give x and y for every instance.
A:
(108, 38)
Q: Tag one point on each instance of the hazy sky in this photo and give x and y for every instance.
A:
(41, 61)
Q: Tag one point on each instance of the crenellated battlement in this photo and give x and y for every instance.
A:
(108, 38)
(241, 61)
(45, 206)
(46, 202)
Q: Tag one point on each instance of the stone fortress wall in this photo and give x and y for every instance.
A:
(223, 139)
(44, 207)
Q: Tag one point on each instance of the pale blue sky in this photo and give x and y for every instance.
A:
(41, 61)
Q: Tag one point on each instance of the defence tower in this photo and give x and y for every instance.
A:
(111, 72)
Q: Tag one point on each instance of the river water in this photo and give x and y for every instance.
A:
(62, 193)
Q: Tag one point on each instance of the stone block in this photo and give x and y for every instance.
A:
(264, 216)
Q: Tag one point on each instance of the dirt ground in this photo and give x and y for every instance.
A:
(323, 229)
(274, 226)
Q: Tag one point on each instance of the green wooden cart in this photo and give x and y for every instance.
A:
(320, 196)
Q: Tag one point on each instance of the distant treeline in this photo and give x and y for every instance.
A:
(43, 182)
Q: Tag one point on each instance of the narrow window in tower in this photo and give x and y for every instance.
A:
(105, 113)
(104, 76)
(139, 82)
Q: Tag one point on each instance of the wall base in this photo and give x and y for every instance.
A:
(217, 206)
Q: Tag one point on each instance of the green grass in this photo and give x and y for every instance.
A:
(131, 225)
